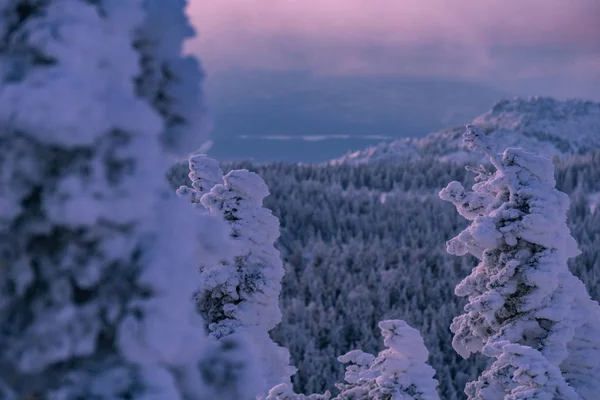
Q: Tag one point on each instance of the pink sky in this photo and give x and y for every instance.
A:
(479, 39)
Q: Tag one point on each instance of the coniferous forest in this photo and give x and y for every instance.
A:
(363, 243)
(133, 266)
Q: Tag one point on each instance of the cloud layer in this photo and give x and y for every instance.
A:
(505, 41)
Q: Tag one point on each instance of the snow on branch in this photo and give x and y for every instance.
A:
(398, 372)
(525, 371)
(522, 290)
(205, 173)
(242, 296)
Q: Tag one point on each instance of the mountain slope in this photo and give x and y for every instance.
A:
(542, 124)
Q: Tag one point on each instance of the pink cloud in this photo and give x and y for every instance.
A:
(381, 36)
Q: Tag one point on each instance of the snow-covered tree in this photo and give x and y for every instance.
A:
(205, 173)
(354, 249)
(97, 254)
(399, 372)
(524, 371)
(243, 296)
(285, 391)
(522, 290)
(170, 81)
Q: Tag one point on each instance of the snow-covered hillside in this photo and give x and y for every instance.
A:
(539, 124)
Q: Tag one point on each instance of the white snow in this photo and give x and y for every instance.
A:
(399, 372)
(105, 245)
(205, 173)
(546, 126)
(176, 77)
(522, 290)
(89, 45)
(241, 296)
(530, 374)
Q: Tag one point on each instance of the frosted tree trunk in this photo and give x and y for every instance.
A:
(522, 290)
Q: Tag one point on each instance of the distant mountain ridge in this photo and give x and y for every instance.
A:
(541, 124)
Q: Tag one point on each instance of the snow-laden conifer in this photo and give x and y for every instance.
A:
(522, 290)
(97, 255)
(399, 372)
(205, 173)
(284, 391)
(243, 296)
(520, 373)
(170, 81)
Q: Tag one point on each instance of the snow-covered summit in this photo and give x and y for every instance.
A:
(541, 124)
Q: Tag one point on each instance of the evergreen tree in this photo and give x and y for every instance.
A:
(399, 264)
(398, 373)
(284, 391)
(525, 372)
(243, 296)
(169, 80)
(205, 173)
(94, 288)
(522, 290)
